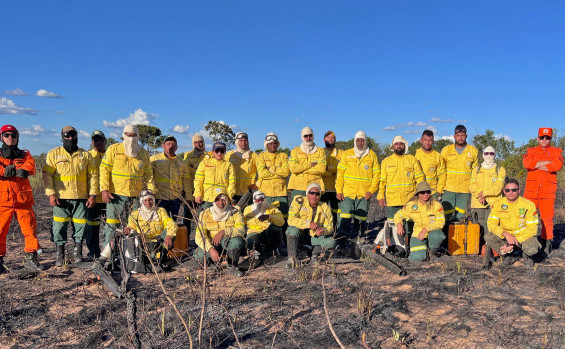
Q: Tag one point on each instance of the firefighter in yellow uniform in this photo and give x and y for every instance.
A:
(333, 155)
(172, 178)
(244, 162)
(213, 176)
(220, 227)
(460, 160)
(94, 213)
(400, 173)
(192, 160)
(308, 217)
(486, 185)
(432, 164)
(358, 177)
(71, 182)
(264, 222)
(513, 224)
(307, 164)
(427, 214)
(124, 172)
(272, 169)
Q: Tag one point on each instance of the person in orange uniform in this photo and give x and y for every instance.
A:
(16, 196)
(542, 163)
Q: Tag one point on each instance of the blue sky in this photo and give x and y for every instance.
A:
(387, 68)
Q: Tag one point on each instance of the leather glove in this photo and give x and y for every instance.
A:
(22, 173)
(10, 171)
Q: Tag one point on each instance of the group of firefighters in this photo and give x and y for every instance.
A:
(318, 195)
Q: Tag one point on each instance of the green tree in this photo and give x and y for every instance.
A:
(441, 143)
(502, 146)
(150, 137)
(220, 132)
(381, 150)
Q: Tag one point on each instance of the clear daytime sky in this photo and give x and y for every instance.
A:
(385, 67)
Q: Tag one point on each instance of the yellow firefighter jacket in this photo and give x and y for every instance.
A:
(433, 166)
(255, 226)
(356, 177)
(300, 214)
(302, 173)
(273, 172)
(519, 218)
(70, 176)
(459, 167)
(97, 157)
(399, 176)
(125, 175)
(332, 160)
(245, 171)
(490, 182)
(212, 178)
(193, 161)
(233, 227)
(153, 229)
(171, 178)
(425, 215)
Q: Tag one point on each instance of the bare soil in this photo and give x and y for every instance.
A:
(448, 302)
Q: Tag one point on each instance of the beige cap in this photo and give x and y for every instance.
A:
(68, 128)
(423, 186)
(130, 129)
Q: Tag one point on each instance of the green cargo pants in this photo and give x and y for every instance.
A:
(530, 247)
(454, 206)
(226, 244)
(326, 241)
(418, 248)
(69, 211)
(117, 213)
(352, 211)
(266, 241)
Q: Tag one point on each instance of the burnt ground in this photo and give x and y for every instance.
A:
(450, 302)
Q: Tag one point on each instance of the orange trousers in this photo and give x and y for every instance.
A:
(28, 225)
(546, 207)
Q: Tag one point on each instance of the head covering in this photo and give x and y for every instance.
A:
(69, 144)
(545, 131)
(97, 133)
(460, 128)
(488, 162)
(259, 195)
(68, 128)
(422, 186)
(169, 138)
(365, 150)
(400, 139)
(7, 128)
(239, 151)
(271, 137)
(130, 143)
(11, 151)
(218, 145)
(329, 133)
(221, 214)
(147, 214)
(313, 185)
(309, 147)
(196, 137)
(259, 209)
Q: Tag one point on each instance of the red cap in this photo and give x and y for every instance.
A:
(544, 131)
(7, 128)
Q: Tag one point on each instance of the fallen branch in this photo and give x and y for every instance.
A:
(326, 310)
(231, 324)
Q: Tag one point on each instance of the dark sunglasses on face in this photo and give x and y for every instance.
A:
(545, 138)
(425, 192)
(221, 150)
(511, 190)
(314, 193)
(488, 154)
(98, 139)
(69, 134)
(9, 135)
(308, 136)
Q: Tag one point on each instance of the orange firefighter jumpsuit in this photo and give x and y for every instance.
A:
(16, 198)
(541, 185)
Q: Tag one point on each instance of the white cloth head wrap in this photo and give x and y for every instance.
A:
(130, 143)
(400, 139)
(360, 152)
(488, 162)
(309, 147)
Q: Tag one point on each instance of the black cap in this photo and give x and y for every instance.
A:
(218, 145)
(169, 138)
(460, 128)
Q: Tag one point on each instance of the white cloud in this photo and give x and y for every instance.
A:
(115, 135)
(451, 138)
(462, 121)
(389, 128)
(16, 92)
(432, 128)
(506, 137)
(180, 129)
(35, 130)
(7, 106)
(138, 117)
(412, 132)
(440, 120)
(296, 120)
(60, 112)
(419, 123)
(45, 93)
(84, 134)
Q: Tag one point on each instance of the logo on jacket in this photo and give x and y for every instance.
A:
(504, 207)
(414, 207)
(408, 174)
(366, 166)
(522, 211)
(432, 169)
(140, 166)
(494, 180)
(468, 163)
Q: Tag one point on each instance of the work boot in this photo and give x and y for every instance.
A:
(2, 268)
(529, 262)
(315, 260)
(355, 249)
(60, 256)
(77, 252)
(292, 248)
(547, 247)
(32, 262)
(509, 259)
(233, 262)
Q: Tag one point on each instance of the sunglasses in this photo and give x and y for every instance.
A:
(314, 193)
(9, 135)
(98, 139)
(545, 138)
(488, 154)
(511, 190)
(221, 151)
(308, 136)
(69, 134)
(425, 192)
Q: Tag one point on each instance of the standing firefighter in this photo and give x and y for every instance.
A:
(542, 163)
(333, 155)
(307, 164)
(70, 177)
(427, 214)
(460, 160)
(244, 162)
(432, 164)
(214, 176)
(357, 181)
(16, 197)
(192, 160)
(94, 213)
(124, 172)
